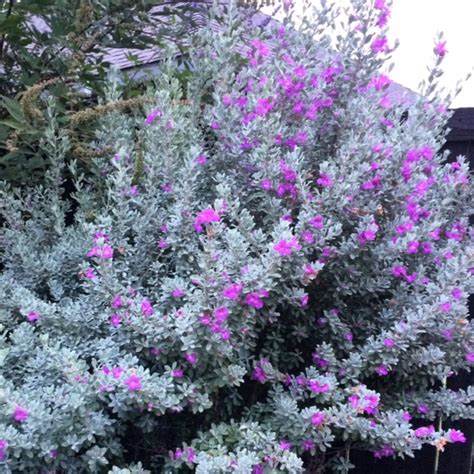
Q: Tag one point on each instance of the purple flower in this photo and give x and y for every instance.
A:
(324, 180)
(90, 274)
(379, 44)
(456, 293)
(412, 247)
(201, 160)
(286, 247)
(254, 299)
(32, 316)
(117, 372)
(389, 343)
(177, 373)
(381, 370)
(115, 320)
(317, 387)
(233, 291)
(177, 293)
(440, 49)
(285, 445)
(134, 383)
(259, 374)
(221, 314)
(317, 418)
(146, 307)
(423, 408)
(150, 118)
(308, 445)
(117, 302)
(456, 436)
(470, 357)
(424, 431)
(206, 216)
(191, 357)
(20, 414)
(445, 307)
(316, 222)
(383, 452)
(106, 252)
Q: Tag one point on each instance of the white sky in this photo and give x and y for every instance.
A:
(416, 23)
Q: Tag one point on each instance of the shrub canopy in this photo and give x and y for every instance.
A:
(270, 270)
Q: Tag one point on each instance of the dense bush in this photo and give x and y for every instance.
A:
(271, 270)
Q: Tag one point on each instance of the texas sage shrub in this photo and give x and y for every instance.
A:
(270, 271)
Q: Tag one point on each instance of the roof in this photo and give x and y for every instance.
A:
(461, 124)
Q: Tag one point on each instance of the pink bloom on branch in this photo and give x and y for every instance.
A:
(379, 44)
(317, 418)
(191, 357)
(150, 118)
(177, 373)
(388, 343)
(381, 370)
(206, 216)
(316, 222)
(117, 372)
(286, 247)
(423, 408)
(456, 436)
(254, 299)
(177, 293)
(117, 302)
(424, 431)
(285, 445)
(317, 387)
(146, 307)
(201, 160)
(32, 316)
(221, 314)
(232, 292)
(90, 274)
(440, 49)
(20, 414)
(134, 383)
(115, 320)
(324, 180)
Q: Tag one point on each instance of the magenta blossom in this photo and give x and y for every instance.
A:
(20, 414)
(324, 180)
(191, 357)
(32, 316)
(440, 49)
(254, 299)
(470, 357)
(317, 418)
(146, 307)
(456, 436)
(379, 44)
(286, 247)
(317, 387)
(117, 302)
(424, 431)
(134, 383)
(381, 370)
(177, 373)
(105, 252)
(206, 216)
(151, 117)
(233, 291)
(221, 314)
(177, 293)
(115, 320)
